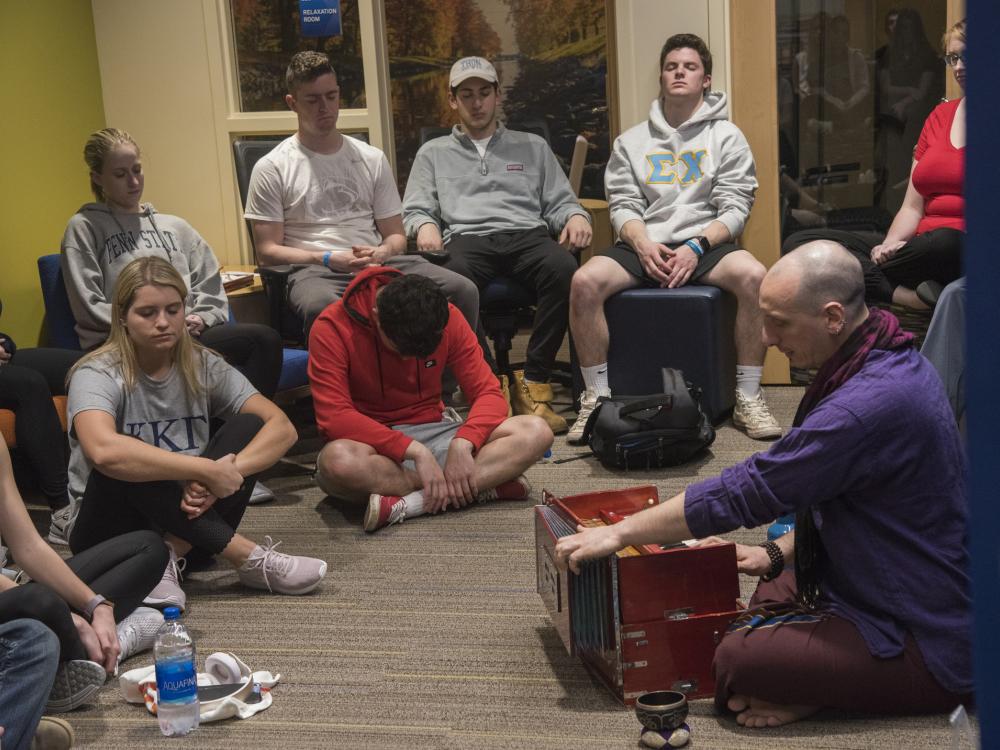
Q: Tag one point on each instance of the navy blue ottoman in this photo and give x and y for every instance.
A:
(690, 328)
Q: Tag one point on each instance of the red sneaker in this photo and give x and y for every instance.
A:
(384, 510)
(513, 489)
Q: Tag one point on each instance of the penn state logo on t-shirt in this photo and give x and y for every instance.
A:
(430, 363)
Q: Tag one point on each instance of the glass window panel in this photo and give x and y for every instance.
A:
(854, 89)
(551, 56)
(266, 33)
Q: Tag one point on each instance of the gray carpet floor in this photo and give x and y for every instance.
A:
(430, 634)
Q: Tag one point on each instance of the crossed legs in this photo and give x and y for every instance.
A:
(352, 470)
(781, 672)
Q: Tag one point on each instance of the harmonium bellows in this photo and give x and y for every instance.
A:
(645, 618)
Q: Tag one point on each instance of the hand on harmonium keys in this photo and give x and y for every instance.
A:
(588, 543)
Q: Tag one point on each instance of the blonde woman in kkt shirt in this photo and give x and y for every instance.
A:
(143, 456)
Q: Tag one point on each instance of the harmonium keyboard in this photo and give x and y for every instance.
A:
(643, 619)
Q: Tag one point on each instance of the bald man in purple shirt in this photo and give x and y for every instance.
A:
(874, 606)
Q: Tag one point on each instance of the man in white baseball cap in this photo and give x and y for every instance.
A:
(472, 67)
(496, 198)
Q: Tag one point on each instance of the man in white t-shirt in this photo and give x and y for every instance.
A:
(328, 204)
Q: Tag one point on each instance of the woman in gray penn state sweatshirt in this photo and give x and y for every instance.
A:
(100, 241)
(104, 237)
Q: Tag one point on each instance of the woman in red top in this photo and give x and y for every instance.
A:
(922, 251)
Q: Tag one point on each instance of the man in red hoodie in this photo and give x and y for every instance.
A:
(375, 364)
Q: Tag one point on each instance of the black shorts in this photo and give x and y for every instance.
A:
(626, 257)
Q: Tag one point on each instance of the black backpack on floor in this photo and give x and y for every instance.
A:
(650, 432)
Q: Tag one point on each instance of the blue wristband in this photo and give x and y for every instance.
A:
(693, 244)
(326, 258)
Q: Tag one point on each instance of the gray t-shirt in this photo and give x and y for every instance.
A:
(162, 413)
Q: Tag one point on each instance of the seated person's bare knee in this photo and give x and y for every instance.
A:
(532, 436)
(340, 464)
(588, 286)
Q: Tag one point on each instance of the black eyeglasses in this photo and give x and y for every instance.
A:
(952, 59)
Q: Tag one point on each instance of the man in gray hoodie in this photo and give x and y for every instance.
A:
(680, 187)
(495, 198)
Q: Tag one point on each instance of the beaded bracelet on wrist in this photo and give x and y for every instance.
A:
(777, 558)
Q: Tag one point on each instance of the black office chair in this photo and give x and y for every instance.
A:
(246, 153)
(429, 132)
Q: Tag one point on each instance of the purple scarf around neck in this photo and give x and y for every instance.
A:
(880, 330)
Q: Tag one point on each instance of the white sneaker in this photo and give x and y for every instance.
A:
(588, 402)
(260, 495)
(59, 526)
(137, 632)
(168, 592)
(266, 568)
(753, 417)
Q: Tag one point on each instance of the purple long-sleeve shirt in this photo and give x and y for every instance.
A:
(881, 464)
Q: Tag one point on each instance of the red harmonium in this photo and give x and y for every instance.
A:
(645, 618)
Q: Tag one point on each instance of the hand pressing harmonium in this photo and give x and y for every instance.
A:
(645, 618)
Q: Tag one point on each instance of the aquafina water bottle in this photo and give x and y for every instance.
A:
(176, 677)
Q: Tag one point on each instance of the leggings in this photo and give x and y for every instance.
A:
(114, 506)
(255, 350)
(27, 385)
(123, 569)
(931, 256)
(823, 661)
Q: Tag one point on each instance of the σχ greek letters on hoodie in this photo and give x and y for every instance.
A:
(679, 180)
(361, 388)
(99, 243)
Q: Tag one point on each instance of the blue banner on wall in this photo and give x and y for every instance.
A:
(320, 17)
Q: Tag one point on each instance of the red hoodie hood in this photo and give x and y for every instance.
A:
(359, 298)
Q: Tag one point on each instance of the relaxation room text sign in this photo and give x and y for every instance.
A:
(320, 17)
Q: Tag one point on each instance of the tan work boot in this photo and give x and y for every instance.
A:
(534, 399)
(53, 734)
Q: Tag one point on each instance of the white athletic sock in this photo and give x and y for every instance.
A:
(414, 504)
(748, 380)
(596, 379)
